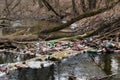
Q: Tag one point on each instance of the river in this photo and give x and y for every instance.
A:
(81, 66)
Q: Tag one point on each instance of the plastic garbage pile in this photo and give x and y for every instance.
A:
(50, 47)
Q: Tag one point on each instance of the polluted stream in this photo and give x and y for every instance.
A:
(81, 66)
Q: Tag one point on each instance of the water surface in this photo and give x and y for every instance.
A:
(81, 66)
(13, 57)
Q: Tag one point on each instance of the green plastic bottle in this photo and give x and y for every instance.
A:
(69, 46)
(47, 58)
(52, 43)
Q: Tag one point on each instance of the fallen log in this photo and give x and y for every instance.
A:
(26, 38)
(75, 37)
(19, 38)
(105, 35)
(93, 32)
(12, 42)
(82, 16)
(55, 35)
(8, 44)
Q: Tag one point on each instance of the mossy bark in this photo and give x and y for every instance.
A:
(56, 35)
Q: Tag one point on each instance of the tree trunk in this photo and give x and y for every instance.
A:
(83, 6)
(92, 4)
(74, 8)
(40, 3)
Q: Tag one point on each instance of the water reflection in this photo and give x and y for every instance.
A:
(46, 73)
(13, 57)
(109, 63)
(80, 66)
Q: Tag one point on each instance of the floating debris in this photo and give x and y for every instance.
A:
(38, 64)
